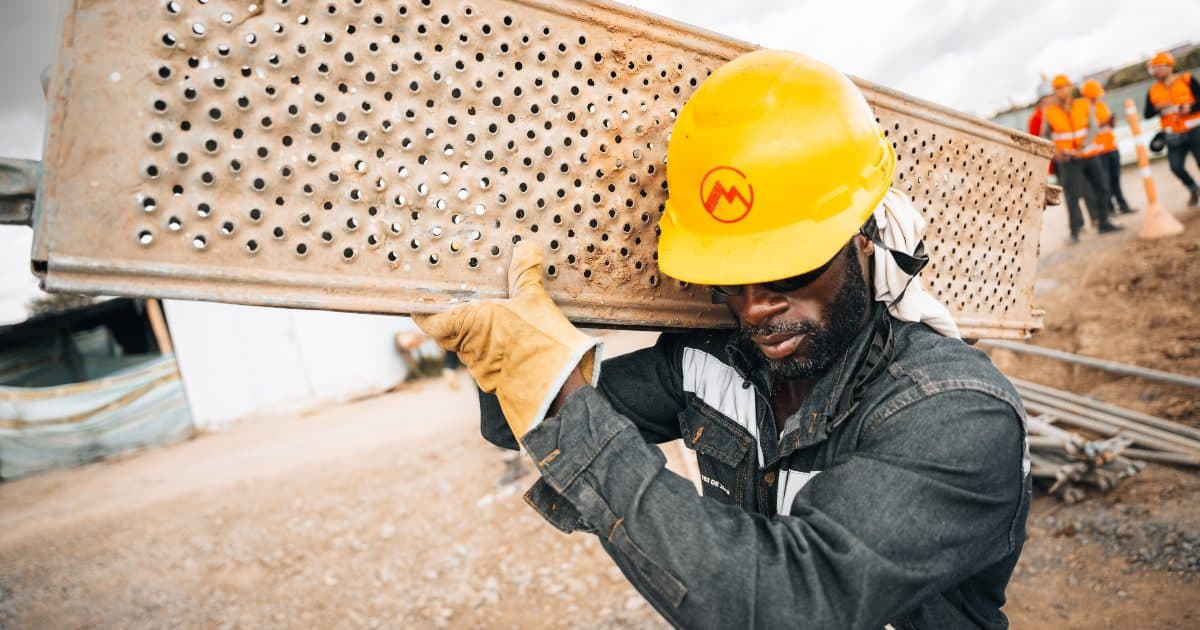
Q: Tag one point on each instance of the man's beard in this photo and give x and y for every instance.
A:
(843, 319)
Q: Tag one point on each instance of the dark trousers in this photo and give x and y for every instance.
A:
(1178, 148)
(1112, 168)
(1085, 179)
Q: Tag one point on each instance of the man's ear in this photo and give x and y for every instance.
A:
(865, 250)
(864, 245)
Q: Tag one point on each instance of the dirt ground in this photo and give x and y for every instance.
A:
(392, 512)
(1129, 558)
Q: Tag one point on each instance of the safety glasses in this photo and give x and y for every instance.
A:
(786, 285)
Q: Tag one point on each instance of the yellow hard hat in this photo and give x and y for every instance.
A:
(1060, 81)
(773, 165)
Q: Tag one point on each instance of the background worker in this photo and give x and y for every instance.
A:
(1066, 123)
(860, 464)
(1104, 146)
(1045, 97)
(1173, 97)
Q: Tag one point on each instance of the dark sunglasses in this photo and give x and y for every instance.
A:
(786, 285)
(911, 264)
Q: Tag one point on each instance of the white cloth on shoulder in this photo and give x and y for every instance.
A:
(901, 227)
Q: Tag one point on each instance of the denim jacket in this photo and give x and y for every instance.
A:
(908, 508)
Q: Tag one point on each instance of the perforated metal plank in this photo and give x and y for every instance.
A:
(384, 157)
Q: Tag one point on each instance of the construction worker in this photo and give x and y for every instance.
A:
(1104, 147)
(1066, 121)
(1174, 96)
(860, 464)
(1045, 97)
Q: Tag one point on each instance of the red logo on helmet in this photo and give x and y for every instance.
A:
(721, 194)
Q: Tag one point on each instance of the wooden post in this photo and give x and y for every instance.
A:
(158, 324)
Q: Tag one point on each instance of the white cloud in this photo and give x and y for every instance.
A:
(21, 133)
(970, 55)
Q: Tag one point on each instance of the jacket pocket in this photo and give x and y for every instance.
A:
(722, 448)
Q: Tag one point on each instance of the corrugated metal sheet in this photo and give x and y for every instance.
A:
(385, 156)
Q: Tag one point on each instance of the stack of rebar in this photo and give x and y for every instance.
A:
(1127, 439)
(1069, 462)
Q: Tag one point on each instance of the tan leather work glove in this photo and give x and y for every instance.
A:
(522, 348)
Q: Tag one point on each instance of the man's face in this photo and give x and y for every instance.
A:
(1063, 93)
(1160, 73)
(799, 334)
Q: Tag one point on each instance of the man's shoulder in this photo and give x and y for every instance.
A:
(934, 363)
(938, 385)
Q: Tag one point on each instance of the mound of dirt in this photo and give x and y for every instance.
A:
(1131, 301)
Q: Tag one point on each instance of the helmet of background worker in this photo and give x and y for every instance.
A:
(1163, 59)
(772, 166)
(1161, 65)
(1091, 89)
(1063, 87)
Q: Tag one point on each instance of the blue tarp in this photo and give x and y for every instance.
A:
(125, 403)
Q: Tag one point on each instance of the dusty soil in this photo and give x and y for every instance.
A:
(1127, 300)
(1130, 558)
(385, 512)
(391, 512)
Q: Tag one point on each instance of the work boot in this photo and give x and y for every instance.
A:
(1108, 228)
(1125, 209)
(1194, 200)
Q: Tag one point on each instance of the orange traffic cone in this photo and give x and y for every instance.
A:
(1158, 222)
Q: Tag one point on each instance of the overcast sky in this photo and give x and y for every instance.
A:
(973, 55)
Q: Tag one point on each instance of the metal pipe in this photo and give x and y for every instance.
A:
(1129, 414)
(1111, 366)
(1109, 430)
(1107, 418)
(1162, 458)
(1191, 445)
(1038, 425)
(18, 185)
(1046, 442)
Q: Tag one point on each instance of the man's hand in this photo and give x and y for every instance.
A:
(522, 348)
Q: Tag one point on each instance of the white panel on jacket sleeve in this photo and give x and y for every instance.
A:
(790, 483)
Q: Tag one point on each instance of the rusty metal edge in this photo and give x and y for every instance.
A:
(350, 294)
(56, 105)
(651, 26)
(90, 276)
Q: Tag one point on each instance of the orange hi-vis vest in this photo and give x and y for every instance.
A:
(1105, 140)
(1172, 103)
(1065, 131)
